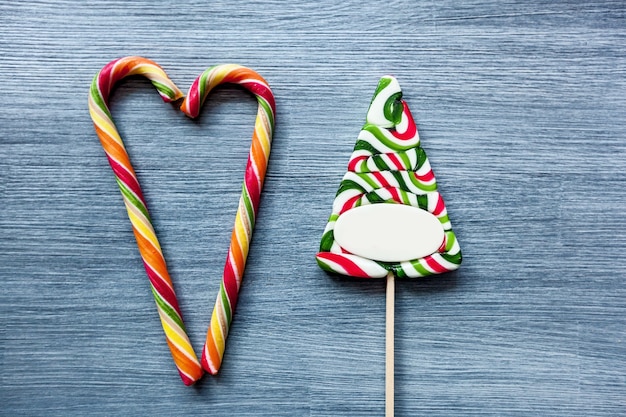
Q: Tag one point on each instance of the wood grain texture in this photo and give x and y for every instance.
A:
(520, 107)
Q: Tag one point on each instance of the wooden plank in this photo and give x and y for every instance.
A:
(520, 107)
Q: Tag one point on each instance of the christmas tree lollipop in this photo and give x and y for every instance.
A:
(388, 220)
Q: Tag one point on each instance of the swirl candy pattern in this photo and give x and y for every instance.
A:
(388, 165)
(186, 361)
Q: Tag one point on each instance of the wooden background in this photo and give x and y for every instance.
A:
(521, 108)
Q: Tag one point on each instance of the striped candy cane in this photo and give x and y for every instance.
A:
(213, 351)
(169, 311)
(167, 304)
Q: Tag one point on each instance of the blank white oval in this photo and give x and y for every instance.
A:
(389, 232)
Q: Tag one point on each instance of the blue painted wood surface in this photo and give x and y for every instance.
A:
(521, 108)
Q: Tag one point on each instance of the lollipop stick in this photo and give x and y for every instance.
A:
(389, 336)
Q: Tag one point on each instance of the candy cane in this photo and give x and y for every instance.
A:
(167, 304)
(184, 356)
(213, 350)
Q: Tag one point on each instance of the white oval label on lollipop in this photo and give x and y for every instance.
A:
(387, 215)
(389, 232)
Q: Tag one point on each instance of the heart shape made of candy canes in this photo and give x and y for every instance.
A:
(185, 358)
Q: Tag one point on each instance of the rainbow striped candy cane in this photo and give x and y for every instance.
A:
(167, 304)
(169, 311)
(213, 351)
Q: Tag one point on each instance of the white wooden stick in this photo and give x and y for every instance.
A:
(389, 342)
